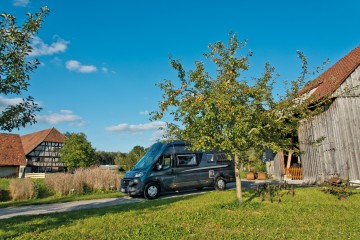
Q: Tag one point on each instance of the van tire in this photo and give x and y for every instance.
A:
(220, 184)
(152, 191)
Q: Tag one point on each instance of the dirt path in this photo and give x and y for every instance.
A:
(96, 203)
(64, 207)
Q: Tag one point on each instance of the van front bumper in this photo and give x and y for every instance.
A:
(133, 187)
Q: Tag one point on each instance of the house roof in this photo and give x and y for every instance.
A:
(11, 150)
(32, 140)
(332, 78)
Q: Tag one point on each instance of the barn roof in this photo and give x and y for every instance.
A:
(11, 150)
(32, 140)
(332, 78)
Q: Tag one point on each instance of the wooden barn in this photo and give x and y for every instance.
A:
(338, 154)
(330, 141)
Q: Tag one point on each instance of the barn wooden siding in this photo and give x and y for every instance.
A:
(339, 152)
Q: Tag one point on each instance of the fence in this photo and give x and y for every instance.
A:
(34, 175)
(294, 173)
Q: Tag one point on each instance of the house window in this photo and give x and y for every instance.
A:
(186, 160)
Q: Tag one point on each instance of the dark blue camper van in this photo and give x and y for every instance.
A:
(172, 166)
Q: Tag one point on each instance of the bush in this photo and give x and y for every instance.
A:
(97, 179)
(61, 183)
(22, 189)
(82, 181)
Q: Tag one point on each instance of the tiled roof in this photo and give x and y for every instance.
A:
(32, 140)
(11, 150)
(333, 77)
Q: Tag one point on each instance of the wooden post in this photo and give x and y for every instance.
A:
(289, 160)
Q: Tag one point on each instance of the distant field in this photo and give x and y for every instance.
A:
(311, 214)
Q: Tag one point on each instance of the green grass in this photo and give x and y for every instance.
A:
(4, 183)
(311, 214)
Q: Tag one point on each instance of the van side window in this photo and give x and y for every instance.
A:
(166, 162)
(186, 160)
(210, 158)
(221, 157)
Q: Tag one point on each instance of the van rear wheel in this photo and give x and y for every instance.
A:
(152, 191)
(220, 184)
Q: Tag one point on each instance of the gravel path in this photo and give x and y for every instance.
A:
(64, 207)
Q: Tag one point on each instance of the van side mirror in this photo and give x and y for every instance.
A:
(158, 166)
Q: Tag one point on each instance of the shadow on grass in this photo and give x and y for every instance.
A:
(17, 226)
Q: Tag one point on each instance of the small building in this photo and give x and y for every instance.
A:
(337, 127)
(330, 141)
(42, 151)
(12, 156)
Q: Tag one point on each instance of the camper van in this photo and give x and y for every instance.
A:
(172, 166)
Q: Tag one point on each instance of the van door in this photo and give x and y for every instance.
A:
(163, 172)
(185, 170)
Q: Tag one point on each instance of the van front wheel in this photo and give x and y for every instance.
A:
(152, 191)
(220, 184)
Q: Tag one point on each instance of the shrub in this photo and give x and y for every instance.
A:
(82, 181)
(22, 189)
(60, 183)
(97, 179)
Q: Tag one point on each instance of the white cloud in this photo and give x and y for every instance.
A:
(74, 65)
(104, 69)
(65, 116)
(5, 102)
(56, 61)
(127, 128)
(21, 3)
(145, 112)
(40, 48)
(158, 135)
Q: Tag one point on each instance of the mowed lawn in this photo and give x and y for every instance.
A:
(311, 214)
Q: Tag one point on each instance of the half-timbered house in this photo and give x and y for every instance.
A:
(42, 150)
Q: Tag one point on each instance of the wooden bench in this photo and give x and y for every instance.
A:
(34, 175)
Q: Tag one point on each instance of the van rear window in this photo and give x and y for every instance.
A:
(186, 160)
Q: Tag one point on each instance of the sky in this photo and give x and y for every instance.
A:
(100, 60)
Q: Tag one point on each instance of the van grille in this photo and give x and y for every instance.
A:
(125, 182)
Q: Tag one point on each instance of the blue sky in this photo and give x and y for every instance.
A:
(100, 60)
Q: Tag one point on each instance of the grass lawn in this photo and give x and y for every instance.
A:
(311, 214)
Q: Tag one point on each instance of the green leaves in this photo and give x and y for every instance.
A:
(77, 151)
(16, 67)
(19, 115)
(227, 112)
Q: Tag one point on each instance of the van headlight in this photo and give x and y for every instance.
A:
(139, 174)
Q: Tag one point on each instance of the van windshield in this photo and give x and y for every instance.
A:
(149, 158)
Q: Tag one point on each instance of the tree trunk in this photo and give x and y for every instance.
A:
(237, 178)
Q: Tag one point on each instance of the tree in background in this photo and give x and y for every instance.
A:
(77, 151)
(128, 161)
(15, 68)
(228, 112)
(105, 158)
